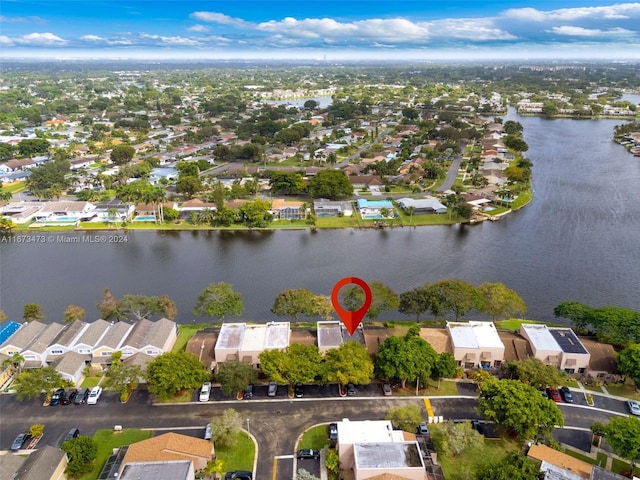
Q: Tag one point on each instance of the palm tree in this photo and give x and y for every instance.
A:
(410, 211)
(208, 215)
(15, 361)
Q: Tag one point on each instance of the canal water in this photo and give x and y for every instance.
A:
(578, 240)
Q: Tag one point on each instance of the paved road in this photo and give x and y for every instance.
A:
(276, 423)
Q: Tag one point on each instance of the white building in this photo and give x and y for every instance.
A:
(239, 341)
(557, 346)
(476, 344)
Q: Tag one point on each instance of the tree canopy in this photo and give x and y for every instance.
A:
(513, 466)
(121, 154)
(349, 363)
(225, 428)
(628, 362)
(331, 184)
(32, 311)
(536, 373)
(32, 382)
(498, 301)
(519, 408)
(623, 435)
(219, 299)
(300, 301)
(172, 372)
(82, 451)
(297, 364)
(453, 438)
(73, 313)
(382, 299)
(405, 418)
(234, 376)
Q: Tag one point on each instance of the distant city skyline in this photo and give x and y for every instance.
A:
(322, 30)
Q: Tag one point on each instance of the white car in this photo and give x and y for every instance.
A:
(94, 395)
(634, 407)
(205, 391)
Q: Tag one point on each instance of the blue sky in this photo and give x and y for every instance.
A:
(317, 29)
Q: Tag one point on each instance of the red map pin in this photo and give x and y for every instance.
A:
(351, 320)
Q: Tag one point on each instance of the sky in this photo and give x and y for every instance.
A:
(320, 29)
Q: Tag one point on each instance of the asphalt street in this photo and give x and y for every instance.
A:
(275, 423)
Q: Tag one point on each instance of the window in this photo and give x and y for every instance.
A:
(84, 350)
(56, 352)
(570, 370)
(581, 370)
(105, 354)
(127, 353)
(29, 357)
(469, 365)
(152, 352)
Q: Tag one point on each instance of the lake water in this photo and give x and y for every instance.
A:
(578, 240)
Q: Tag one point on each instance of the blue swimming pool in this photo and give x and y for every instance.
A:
(144, 218)
(65, 219)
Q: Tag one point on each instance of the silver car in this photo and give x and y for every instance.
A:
(634, 407)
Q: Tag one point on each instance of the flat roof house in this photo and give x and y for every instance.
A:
(330, 208)
(557, 346)
(332, 334)
(476, 344)
(372, 448)
(422, 206)
(239, 341)
(370, 209)
(170, 470)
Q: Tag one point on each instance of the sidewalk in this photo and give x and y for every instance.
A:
(604, 393)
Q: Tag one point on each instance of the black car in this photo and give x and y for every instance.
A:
(248, 392)
(272, 391)
(64, 399)
(566, 394)
(332, 431)
(81, 397)
(351, 389)
(307, 453)
(56, 398)
(298, 390)
(238, 475)
(73, 393)
(73, 433)
(19, 441)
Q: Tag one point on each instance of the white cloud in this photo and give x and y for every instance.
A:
(93, 38)
(480, 29)
(4, 40)
(46, 38)
(32, 19)
(199, 28)
(589, 32)
(611, 12)
(220, 18)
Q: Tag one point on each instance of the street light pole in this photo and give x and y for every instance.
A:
(248, 431)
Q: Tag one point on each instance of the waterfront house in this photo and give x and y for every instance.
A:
(330, 208)
(476, 344)
(113, 210)
(195, 205)
(71, 366)
(110, 342)
(21, 338)
(332, 334)
(239, 341)
(90, 338)
(35, 353)
(21, 213)
(149, 337)
(65, 210)
(559, 347)
(288, 210)
(371, 209)
(422, 206)
(66, 339)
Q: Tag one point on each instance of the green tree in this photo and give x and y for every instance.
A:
(189, 185)
(349, 363)
(48, 177)
(33, 311)
(295, 302)
(256, 213)
(405, 418)
(383, 299)
(406, 358)
(512, 128)
(623, 435)
(108, 306)
(172, 372)
(298, 364)
(122, 154)
(123, 378)
(219, 299)
(73, 313)
(513, 466)
(499, 301)
(458, 296)
(286, 183)
(310, 104)
(628, 362)
(142, 306)
(226, 427)
(515, 142)
(519, 408)
(32, 147)
(446, 366)
(414, 302)
(234, 376)
(82, 452)
(32, 382)
(536, 373)
(331, 184)
(453, 438)
(36, 430)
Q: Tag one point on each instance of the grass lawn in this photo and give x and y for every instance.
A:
(107, 441)
(515, 323)
(15, 187)
(465, 465)
(623, 390)
(90, 382)
(447, 387)
(593, 388)
(238, 457)
(619, 466)
(337, 222)
(315, 438)
(523, 198)
(601, 459)
(180, 397)
(186, 332)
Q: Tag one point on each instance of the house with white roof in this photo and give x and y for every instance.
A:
(239, 341)
(557, 346)
(370, 209)
(476, 344)
(332, 334)
(21, 212)
(422, 206)
(372, 448)
(330, 208)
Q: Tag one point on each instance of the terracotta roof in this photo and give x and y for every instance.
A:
(170, 446)
(559, 459)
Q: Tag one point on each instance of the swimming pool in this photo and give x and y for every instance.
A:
(144, 218)
(488, 209)
(64, 219)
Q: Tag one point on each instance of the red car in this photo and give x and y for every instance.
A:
(554, 394)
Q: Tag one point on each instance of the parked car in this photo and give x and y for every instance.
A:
(205, 392)
(208, 431)
(94, 395)
(332, 431)
(238, 475)
(634, 407)
(567, 396)
(298, 390)
(386, 389)
(73, 433)
(544, 393)
(423, 429)
(248, 392)
(64, 399)
(19, 441)
(307, 453)
(82, 396)
(554, 394)
(351, 389)
(272, 391)
(73, 394)
(56, 397)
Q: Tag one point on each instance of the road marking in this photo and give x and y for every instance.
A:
(283, 457)
(274, 475)
(427, 404)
